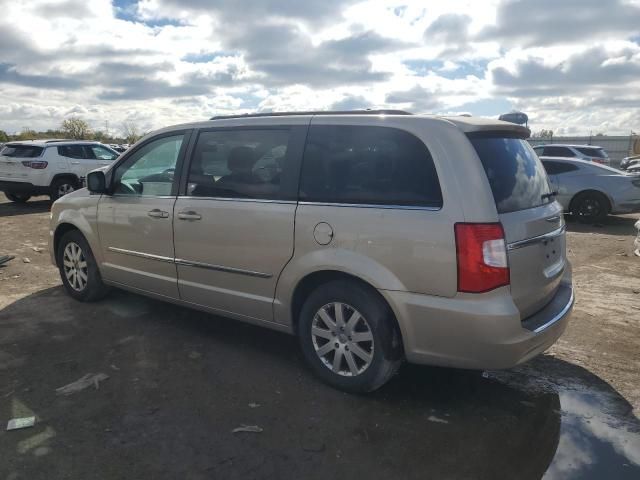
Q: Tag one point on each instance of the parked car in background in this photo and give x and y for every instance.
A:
(590, 191)
(589, 153)
(629, 161)
(49, 167)
(373, 238)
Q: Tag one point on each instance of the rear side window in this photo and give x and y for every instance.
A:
(592, 152)
(556, 168)
(75, 151)
(368, 165)
(242, 163)
(21, 151)
(517, 178)
(558, 152)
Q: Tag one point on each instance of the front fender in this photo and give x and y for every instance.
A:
(80, 213)
(330, 259)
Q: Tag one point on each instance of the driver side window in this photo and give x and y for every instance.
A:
(150, 170)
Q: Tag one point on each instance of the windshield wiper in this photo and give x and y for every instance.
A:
(548, 195)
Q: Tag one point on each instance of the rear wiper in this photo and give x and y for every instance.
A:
(548, 195)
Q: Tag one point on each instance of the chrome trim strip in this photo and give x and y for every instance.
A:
(246, 200)
(370, 205)
(220, 268)
(538, 239)
(148, 256)
(558, 316)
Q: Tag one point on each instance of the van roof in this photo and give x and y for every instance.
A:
(465, 123)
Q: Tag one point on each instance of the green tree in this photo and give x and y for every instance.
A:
(76, 128)
(3, 136)
(543, 134)
(27, 134)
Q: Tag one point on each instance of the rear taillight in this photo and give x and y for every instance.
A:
(598, 160)
(37, 164)
(482, 257)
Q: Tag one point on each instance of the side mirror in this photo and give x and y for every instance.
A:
(96, 182)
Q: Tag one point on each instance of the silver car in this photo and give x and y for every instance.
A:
(375, 237)
(590, 191)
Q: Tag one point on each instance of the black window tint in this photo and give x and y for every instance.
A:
(240, 163)
(516, 175)
(556, 168)
(72, 151)
(21, 151)
(368, 165)
(558, 152)
(592, 152)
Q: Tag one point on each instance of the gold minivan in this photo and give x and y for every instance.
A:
(374, 236)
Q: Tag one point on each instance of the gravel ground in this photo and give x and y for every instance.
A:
(181, 381)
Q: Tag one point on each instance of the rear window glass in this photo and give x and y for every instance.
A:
(368, 165)
(558, 152)
(516, 175)
(592, 152)
(21, 151)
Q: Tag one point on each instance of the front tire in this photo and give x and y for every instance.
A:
(590, 207)
(348, 336)
(79, 269)
(17, 197)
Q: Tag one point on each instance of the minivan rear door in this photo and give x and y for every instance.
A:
(532, 219)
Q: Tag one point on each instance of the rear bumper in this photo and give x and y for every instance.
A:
(23, 187)
(478, 331)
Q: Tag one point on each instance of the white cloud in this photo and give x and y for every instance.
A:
(160, 62)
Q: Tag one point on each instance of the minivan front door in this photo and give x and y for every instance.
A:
(135, 223)
(234, 225)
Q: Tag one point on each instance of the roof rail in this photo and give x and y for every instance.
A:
(314, 112)
(53, 140)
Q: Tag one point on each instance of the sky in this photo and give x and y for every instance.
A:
(572, 65)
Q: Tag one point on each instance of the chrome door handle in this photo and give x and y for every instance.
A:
(75, 163)
(156, 213)
(190, 215)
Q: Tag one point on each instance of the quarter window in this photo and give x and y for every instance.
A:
(150, 170)
(558, 152)
(368, 165)
(240, 163)
(101, 153)
(556, 168)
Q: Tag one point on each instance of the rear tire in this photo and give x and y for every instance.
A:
(78, 268)
(590, 207)
(17, 197)
(367, 348)
(61, 187)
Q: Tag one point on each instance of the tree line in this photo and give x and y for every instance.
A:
(75, 128)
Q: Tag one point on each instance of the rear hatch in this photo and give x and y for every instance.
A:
(531, 218)
(11, 158)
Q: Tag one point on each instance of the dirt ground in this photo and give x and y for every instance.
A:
(180, 381)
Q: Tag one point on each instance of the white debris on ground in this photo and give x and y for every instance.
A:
(18, 423)
(636, 242)
(88, 380)
(433, 418)
(247, 429)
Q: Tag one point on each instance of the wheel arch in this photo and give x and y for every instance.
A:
(59, 176)
(316, 279)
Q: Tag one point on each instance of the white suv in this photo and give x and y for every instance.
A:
(589, 153)
(49, 167)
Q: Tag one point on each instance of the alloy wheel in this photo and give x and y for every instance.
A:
(64, 189)
(75, 266)
(342, 339)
